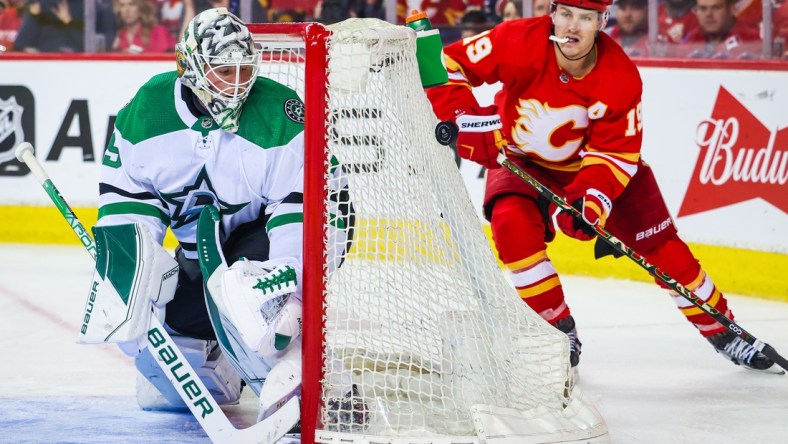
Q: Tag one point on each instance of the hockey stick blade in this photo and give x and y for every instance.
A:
(172, 362)
(619, 246)
(202, 404)
(772, 354)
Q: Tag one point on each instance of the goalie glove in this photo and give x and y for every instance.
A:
(263, 301)
(480, 138)
(594, 207)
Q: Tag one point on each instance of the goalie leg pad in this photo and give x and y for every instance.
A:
(132, 273)
(155, 392)
(282, 383)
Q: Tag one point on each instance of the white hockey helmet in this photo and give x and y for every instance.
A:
(214, 41)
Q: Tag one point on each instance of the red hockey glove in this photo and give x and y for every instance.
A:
(480, 138)
(594, 207)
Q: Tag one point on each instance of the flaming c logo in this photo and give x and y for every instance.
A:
(740, 159)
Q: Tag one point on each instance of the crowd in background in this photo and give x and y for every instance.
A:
(145, 26)
(717, 29)
(708, 29)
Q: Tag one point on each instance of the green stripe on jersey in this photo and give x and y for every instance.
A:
(278, 221)
(133, 208)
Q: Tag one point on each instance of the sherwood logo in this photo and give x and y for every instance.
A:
(187, 381)
(740, 159)
(480, 124)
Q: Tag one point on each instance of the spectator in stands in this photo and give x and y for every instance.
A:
(631, 28)
(10, 20)
(139, 30)
(750, 12)
(287, 15)
(292, 10)
(332, 11)
(194, 7)
(720, 35)
(512, 9)
(444, 12)
(474, 22)
(171, 15)
(675, 20)
(106, 25)
(541, 7)
(780, 30)
(261, 8)
(52, 26)
(369, 9)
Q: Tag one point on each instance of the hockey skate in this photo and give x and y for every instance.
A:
(347, 414)
(738, 351)
(155, 392)
(567, 325)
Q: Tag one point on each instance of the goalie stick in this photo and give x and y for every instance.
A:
(172, 362)
(619, 246)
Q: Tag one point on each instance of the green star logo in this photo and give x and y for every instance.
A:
(187, 203)
(294, 110)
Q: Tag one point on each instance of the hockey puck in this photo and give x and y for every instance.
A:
(446, 132)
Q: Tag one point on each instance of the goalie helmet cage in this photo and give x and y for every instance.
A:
(412, 333)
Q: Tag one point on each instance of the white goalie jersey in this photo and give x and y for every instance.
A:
(163, 165)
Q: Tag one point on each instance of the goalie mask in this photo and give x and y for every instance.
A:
(217, 59)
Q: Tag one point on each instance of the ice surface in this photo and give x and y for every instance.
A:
(650, 374)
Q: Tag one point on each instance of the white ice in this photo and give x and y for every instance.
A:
(650, 374)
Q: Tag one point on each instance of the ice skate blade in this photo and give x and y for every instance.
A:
(773, 370)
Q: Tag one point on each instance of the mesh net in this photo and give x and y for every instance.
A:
(421, 324)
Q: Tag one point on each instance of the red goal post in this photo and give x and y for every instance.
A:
(411, 330)
(313, 35)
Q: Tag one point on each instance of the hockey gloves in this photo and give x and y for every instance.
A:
(480, 138)
(594, 207)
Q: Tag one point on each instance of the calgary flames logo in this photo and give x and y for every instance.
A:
(740, 159)
(549, 133)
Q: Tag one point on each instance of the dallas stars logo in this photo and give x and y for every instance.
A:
(190, 201)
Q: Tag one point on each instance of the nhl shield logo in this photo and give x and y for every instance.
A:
(11, 131)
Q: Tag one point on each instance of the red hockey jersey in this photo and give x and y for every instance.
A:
(557, 121)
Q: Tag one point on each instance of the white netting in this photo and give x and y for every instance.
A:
(421, 324)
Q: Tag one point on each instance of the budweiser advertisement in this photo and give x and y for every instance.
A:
(739, 159)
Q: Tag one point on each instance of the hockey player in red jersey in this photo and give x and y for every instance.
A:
(570, 115)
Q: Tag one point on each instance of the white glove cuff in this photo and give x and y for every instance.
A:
(478, 124)
(607, 204)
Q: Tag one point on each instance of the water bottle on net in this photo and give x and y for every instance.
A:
(429, 50)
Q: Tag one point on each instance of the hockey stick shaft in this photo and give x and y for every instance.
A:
(169, 357)
(24, 152)
(617, 244)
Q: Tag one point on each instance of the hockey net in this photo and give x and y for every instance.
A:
(411, 329)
